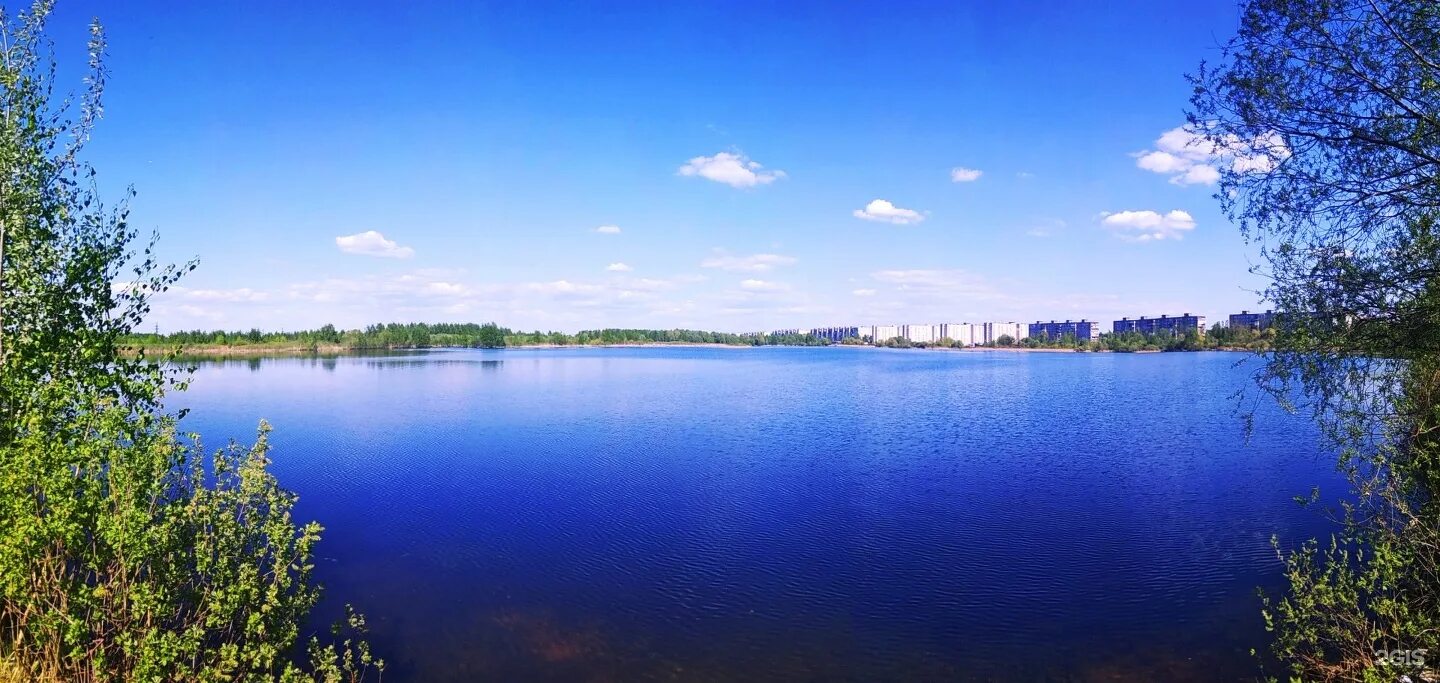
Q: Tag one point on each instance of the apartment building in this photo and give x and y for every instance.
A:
(1251, 321)
(988, 333)
(1179, 325)
(960, 333)
(835, 334)
(1084, 330)
(920, 334)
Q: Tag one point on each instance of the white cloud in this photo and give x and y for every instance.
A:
(935, 294)
(648, 284)
(241, 295)
(733, 169)
(763, 286)
(199, 312)
(754, 262)
(614, 298)
(960, 174)
(408, 288)
(1145, 226)
(372, 243)
(608, 229)
(1261, 155)
(618, 268)
(946, 282)
(863, 292)
(1200, 174)
(1189, 157)
(885, 212)
(777, 301)
(1162, 162)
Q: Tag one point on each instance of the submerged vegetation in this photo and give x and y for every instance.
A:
(126, 552)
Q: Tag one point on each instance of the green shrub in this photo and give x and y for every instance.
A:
(125, 553)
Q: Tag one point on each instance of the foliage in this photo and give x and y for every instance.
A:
(1326, 118)
(125, 554)
(1218, 338)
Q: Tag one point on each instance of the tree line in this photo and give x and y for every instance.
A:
(493, 336)
(464, 335)
(1218, 338)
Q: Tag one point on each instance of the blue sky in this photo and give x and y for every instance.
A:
(767, 164)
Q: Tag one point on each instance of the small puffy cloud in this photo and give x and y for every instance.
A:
(1146, 226)
(618, 268)
(1190, 157)
(372, 243)
(960, 174)
(763, 286)
(863, 292)
(733, 169)
(754, 262)
(1162, 162)
(608, 229)
(885, 212)
(1183, 154)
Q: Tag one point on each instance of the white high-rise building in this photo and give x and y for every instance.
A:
(917, 334)
(884, 332)
(986, 333)
(960, 333)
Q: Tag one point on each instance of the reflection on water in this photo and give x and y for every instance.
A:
(400, 363)
(784, 514)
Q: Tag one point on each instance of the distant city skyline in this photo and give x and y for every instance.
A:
(701, 166)
(967, 331)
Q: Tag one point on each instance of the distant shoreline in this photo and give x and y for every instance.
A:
(205, 351)
(221, 352)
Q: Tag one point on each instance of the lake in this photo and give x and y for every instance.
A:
(715, 514)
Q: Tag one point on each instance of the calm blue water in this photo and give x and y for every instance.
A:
(785, 514)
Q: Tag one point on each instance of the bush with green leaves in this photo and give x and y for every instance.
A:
(1323, 120)
(126, 553)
